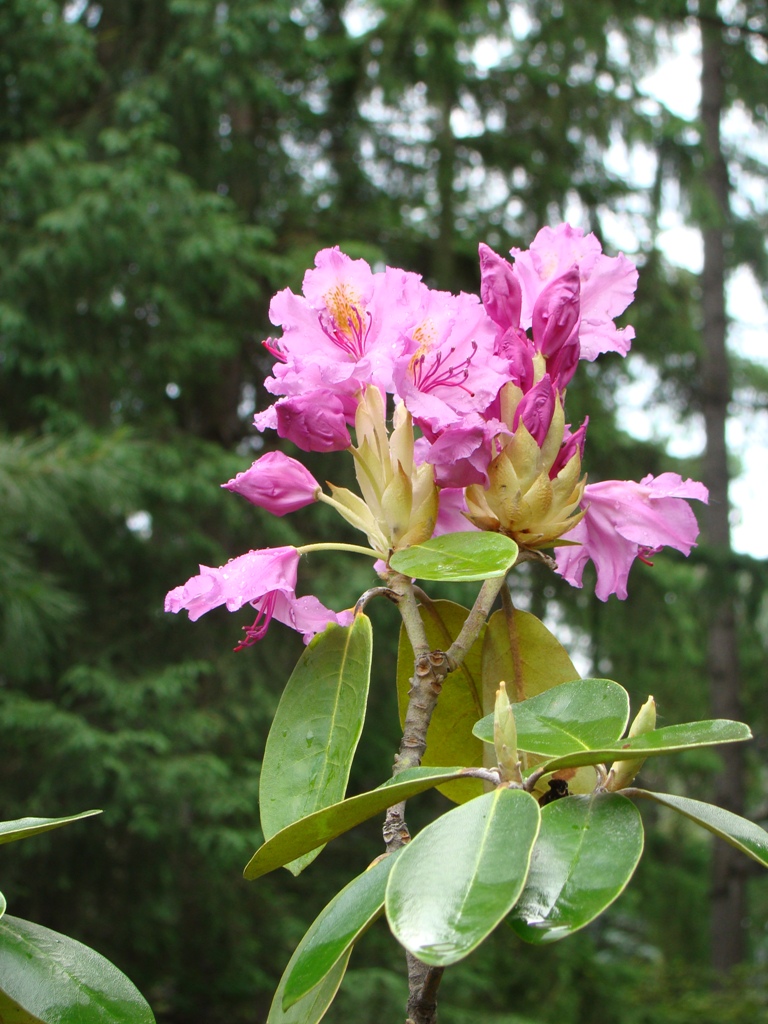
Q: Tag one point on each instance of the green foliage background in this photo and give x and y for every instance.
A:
(165, 166)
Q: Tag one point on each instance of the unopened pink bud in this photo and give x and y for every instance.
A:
(556, 313)
(572, 443)
(499, 289)
(562, 365)
(536, 409)
(277, 483)
(314, 422)
(514, 346)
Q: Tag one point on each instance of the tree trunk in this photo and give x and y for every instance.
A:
(443, 251)
(728, 878)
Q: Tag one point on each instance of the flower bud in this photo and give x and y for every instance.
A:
(536, 409)
(623, 773)
(505, 737)
(515, 347)
(556, 313)
(499, 289)
(277, 483)
(572, 442)
(401, 496)
(315, 422)
(526, 499)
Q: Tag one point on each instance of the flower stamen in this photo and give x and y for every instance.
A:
(440, 373)
(257, 631)
(351, 338)
(643, 554)
(274, 347)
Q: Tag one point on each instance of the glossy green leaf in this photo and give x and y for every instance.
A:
(12, 1013)
(313, 1006)
(580, 715)
(738, 831)
(10, 831)
(329, 822)
(339, 925)
(461, 875)
(467, 556)
(61, 981)
(3, 908)
(316, 729)
(587, 851)
(672, 739)
(525, 655)
(449, 737)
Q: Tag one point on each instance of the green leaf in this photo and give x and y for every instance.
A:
(586, 853)
(329, 822)
(312, 1007)
(316, 729)
(468, 556)
(738, 831)
(62, 981)
(10, 831)
(333, 933)
(670, 740)
(449, 737)
(525, 655)
(3, 908)
(573, 716)
(461, 875)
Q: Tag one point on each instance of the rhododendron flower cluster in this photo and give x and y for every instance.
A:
(367, 356)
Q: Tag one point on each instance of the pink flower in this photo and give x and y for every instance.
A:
(626, 520)
(242, 580)
(276, 483)
(345, 329)
(607, 284)
(304, 614)
(460, 454)
(448, 368)
(554, 320)
(265, 579)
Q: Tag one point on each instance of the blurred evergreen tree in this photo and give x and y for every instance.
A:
(129, 292)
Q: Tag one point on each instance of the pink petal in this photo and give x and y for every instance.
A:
(240, 581)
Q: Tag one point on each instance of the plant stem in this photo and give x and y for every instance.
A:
(409, 613)
(357, 549)
(429, 672)
(470, 631)
(426, 683)
(422, 1009)
(363, 600)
